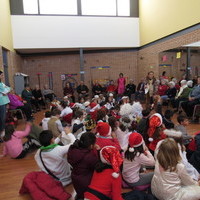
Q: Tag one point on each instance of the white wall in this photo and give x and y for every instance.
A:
(74, 32)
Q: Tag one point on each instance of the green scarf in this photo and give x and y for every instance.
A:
(51, 146)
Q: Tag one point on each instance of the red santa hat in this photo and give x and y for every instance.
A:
(92, 105)
(72, 105)
(135, 140)
(103, 129)
(110, 155)
(154, 122)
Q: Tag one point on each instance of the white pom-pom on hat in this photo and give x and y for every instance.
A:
(115, 174)
(150, 139)
(131, 149)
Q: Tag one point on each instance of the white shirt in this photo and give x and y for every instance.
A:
(56, 161)
(45, 123)
(66, 111)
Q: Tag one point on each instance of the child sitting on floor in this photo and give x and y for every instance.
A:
(171, 180)
(51, 158)
(46, 120)
(54, 124)
(13, 141)
(183, 123)
(136, 156)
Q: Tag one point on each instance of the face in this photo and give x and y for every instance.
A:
(185, 122)
(131, 82)
(1, 76)
(150, 75)
(198, 81)
(37, 87)
(121, 75)
(82, 83)
(111, 82)
(67, 85)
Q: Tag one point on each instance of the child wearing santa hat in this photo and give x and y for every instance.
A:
(155, 131)
(105, 136)
(136, 156)
(106, 181)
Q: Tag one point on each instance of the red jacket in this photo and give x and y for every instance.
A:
(105, 183)
(162, 89)
(42, 186)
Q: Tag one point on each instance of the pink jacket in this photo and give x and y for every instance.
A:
(14, 146)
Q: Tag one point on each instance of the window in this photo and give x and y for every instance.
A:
(30, 6)
(98, 7)
(58, 7)
(123, 7)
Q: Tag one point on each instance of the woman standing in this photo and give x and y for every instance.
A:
(121, 84)
(4, 100)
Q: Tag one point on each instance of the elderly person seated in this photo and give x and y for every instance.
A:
(194, 99)
(17, 103)
(37, 93)
(182, 95)
(48, 93)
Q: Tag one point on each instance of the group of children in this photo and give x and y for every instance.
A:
(100, 145)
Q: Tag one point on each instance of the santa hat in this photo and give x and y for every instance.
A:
(124, 97)
(65, 97)
(87, 103)
(72, 105)
(103, 129)
(135, 140)
(154, 122)
(110, 155)
(111, 95)
(173, 133)
(96, 96)
(92, 105)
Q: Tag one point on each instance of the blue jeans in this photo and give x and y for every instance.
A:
(2, 117)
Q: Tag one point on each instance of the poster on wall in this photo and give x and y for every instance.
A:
(62, 76)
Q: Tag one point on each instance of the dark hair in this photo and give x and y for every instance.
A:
(157, 132)
(181, 118)
(48, 114)
(101, 114)
(87, 139)
(168, 114)
(45, 137)
(9, 130)
(121, 74)
(55, 112)
(150, 72)
(78, 114)
(64, 104)
(112, 122)
(146, 112)
(1, 72)
(131, 155)
(164, 72)
(99, 167)
(126, 120)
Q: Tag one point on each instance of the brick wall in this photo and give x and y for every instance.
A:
(148, 58)
(125, 62)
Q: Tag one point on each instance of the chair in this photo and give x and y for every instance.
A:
(196, 111)
(18, 111)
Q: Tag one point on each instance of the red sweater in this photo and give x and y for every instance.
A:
(105, 183)
(162, 89)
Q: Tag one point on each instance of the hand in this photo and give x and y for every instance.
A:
(97, 147)
(191, 98)
(67, 130)
(113, 135)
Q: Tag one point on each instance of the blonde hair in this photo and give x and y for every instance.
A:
(168, 155)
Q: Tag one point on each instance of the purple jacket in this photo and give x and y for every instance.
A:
(14, 101)
(83, 162)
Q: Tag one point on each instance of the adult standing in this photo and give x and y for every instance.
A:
(4, 100)
(150, 87)
(121, 84)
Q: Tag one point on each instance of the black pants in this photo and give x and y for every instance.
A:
(27, 110)
(188, 106)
